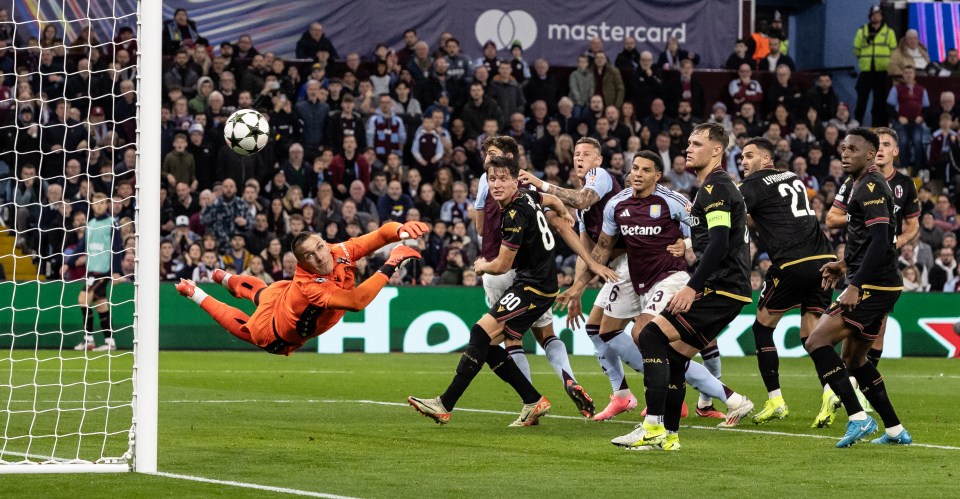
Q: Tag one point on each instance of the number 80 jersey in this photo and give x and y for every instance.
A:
(788, 228)
(525, 230)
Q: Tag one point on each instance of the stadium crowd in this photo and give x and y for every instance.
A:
(360, 139)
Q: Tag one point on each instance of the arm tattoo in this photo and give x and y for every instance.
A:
(579, 199)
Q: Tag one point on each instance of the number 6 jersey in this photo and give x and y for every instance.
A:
(525, 230)
(788, 228)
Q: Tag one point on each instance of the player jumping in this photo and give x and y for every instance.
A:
(291, 312)
(779, 211)
(873, 287)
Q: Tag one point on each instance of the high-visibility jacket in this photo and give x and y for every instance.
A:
(874, 54)
(763, 46)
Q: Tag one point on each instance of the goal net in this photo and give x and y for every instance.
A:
(78, 203)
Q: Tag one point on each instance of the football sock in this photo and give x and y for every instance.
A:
(767, 359)
(655, 348)
(556, 352)
(105, 323)
(470, 364)
(198, 296)
(894, 430)
(676, 390)
(709, 386)
(872, 385)
(504, 367)
(831, 370)
(873, 356)
(520, 359)
(711, 360)
(244, 286)
(228, 317)
(608, 359)
(87, 319)
(625, 347)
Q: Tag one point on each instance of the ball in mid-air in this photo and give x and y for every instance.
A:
(246, 132)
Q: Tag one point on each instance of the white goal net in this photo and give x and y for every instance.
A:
(78, 302)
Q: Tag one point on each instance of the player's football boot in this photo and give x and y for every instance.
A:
(684, 412)
(431, 408)
(186, 287)
(856, 430)
(218, 275)
(903, 438)
(617, 405)
(774, 408)
(828, 410)
(530, 414)
(580, 398)
(109, 346)
(710, 412)
(671, 443)
(738, 407)
(86, 344)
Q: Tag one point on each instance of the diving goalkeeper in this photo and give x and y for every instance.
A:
(291, 312)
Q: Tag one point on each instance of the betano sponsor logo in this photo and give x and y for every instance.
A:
(640, 230)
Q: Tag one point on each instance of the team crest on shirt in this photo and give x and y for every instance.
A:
(319, 279)
(655, 211)
(898, 191)
(871, 185)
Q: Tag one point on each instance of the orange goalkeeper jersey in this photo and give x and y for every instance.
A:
(309, 305)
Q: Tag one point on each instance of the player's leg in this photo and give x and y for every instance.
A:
(768, 362)
(84, 299)
(240, 286)
(621, 398)
(514, 348)
(102, 307)
(556, 352)
(622, 305)
(833, 329)
(711, 362)
(876, 350)
(228, 317)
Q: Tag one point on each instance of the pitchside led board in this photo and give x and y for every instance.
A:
(557, 30)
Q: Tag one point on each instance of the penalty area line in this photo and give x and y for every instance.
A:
(255, 486)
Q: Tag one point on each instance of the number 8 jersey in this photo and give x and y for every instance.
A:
(525, 230)
(788, 228)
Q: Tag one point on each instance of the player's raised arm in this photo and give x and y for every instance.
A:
(573, 241)
(580, 199)
(327, 294)
(389, 232)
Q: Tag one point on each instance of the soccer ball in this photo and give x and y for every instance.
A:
(246, 132)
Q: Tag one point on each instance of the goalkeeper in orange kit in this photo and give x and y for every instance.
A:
(291, 312)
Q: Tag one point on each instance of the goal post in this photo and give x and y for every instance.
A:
(66, 409)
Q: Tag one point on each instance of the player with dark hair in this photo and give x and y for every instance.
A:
(907, 214)
(779, 211)
(716, 292)
(488, 220)
(291, 312)
(527, 245)
(873, 287)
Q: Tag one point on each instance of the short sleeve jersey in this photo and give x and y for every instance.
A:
(777, 201)
(600, 181)
(647, 226)
(719, 203)
(870, 203)
(524, 229)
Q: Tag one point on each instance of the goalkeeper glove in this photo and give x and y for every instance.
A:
(413, 230)
(398, 256)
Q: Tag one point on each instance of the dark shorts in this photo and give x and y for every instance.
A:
(97, 285)
(869, 314)
(520, 307)
(797, 285)
(708, 316)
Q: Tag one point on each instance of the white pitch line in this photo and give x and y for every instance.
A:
(268, 488)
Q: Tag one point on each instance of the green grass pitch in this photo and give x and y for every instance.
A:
(339, 425)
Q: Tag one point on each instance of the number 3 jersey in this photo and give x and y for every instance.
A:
(788, 228)
(647, 226)
(525, 230)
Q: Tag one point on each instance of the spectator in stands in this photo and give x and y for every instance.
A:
(259, 236)
(739, 57)
(945, 214)
(945, 152)
(842, 120)
(255, 76)
(427, 148)
(409, 42)
(944, 270)
(386, 131)
(297, 172)
(680, 179)
(775, 58)
(394, 204)
(744, 88)
(872, 46)
(912, 281)
(542, 86)
(209, 261)
(506, 91)
(459, 66)
(479, 109)
(244, 48)
(363, 203)
(313, 114)
(181, 75)
(237, 258)
(258, 270)
(519, 68)
(227, 215)
(419, 65)
(908, 101)
(179, 31)
(313, 41)
(609, 83)
(909, 52)
(950, 65)
(179, 165)
(947, 104)
(457, 209)
(823, 97)
(672, 55)
(657, 121)
(582, 84)
(784, 91)
(686, 89)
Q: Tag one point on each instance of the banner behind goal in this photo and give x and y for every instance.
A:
(79, 197)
